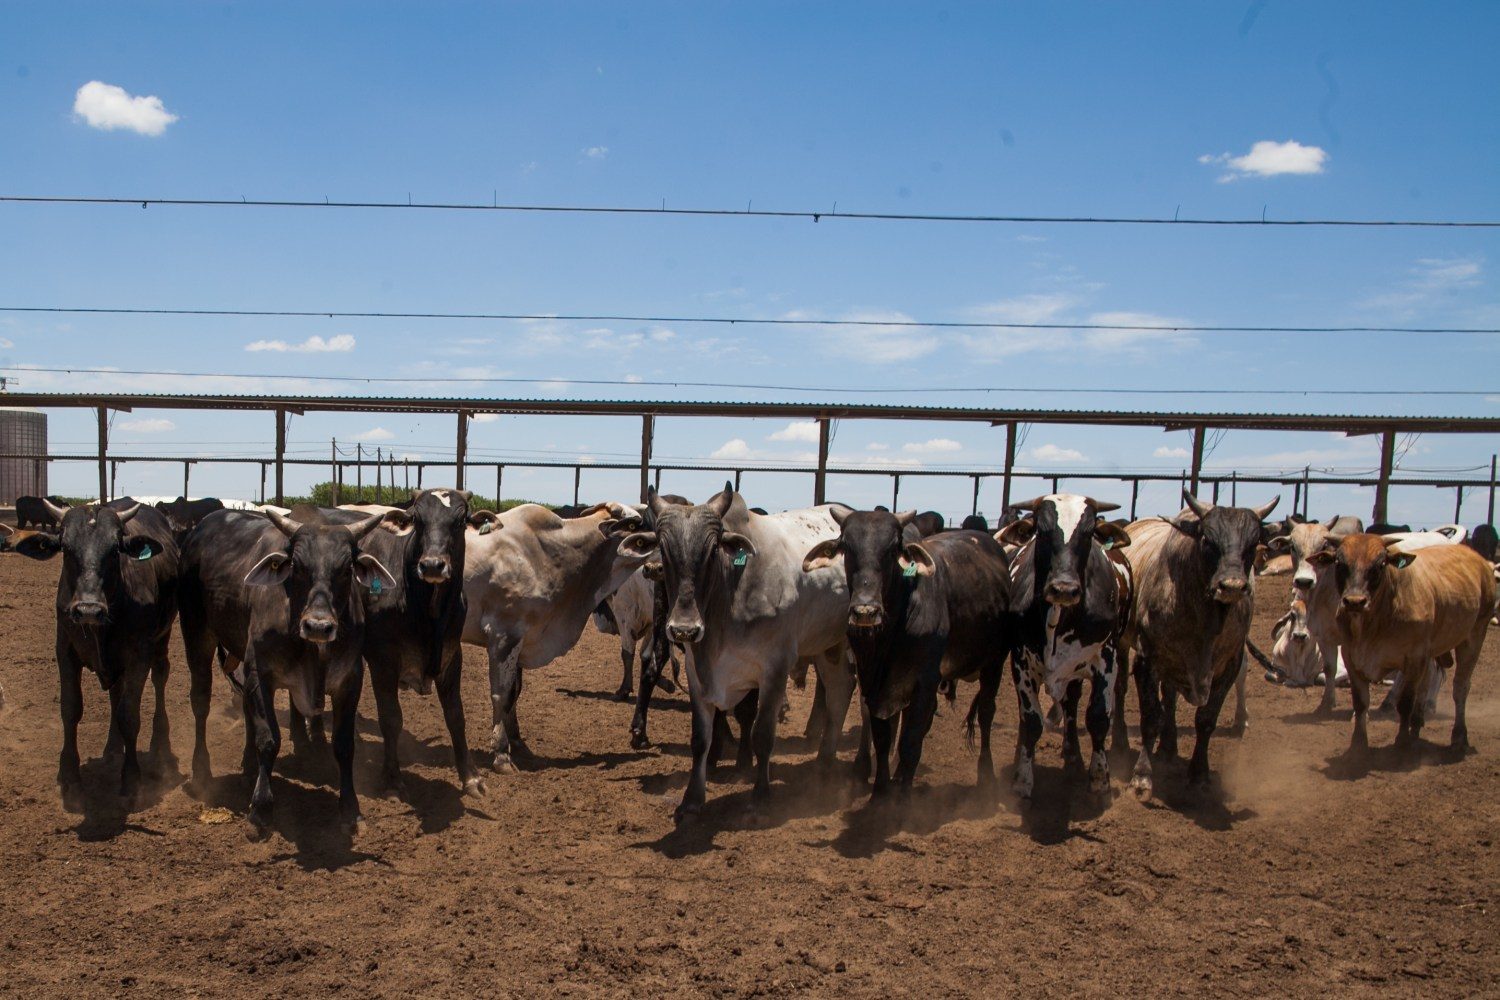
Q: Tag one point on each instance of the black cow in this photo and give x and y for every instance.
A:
(116, 599)
(974, 522)
(1383, 528)
(1484, 540)
(929, 523)
(920, 613)
(278, 596)
(1071, 602)
(1194, 599)
(413, 628)
(39, 511)
(183, 513)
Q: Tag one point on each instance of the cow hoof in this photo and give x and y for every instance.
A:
(395, 787)
(354, 827)
(259, 827)
(1141, 785)
(638, 740)
(686, 814)
(502, 764)
(667, 685)
(1239, 727)
(1099, 776)
(1022, 790)
(622, 694)
(474, 788)
(72, 797)
(756, 817)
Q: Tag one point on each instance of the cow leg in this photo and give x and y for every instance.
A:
(862, 758)
(162, 758)
(836, 681)
(1330, 680)
(1410, 708)
(1393, 696)
(1147, 695)
(763, 737)
(744, 717)
(696, 792)
(1465, 658)
(1241, 713)
(1072, 753)
(450, 696)
(1168, 746)
(1028, 704)
(1206, 720)
(1437, 673)
(200, 654)
(983, 711)
(260, 709)
(505, 688)
(627, 661)
(296, 725)
(1359, 692)
(660, 653)
(915, 722)
(719, 736)
(70, 700)
(1101, 707)
(125, 710)
(880, 736)
(345, 713)
(385, 683)
(817, 719)
(1119, 734)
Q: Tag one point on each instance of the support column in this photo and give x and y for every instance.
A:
(737, 474)
(1197, 460)
(1458, 506)
(820, 484)
(1135, 492)
(1381, 514)
(1491, 518)
(648, 433)
(1010, 464)
(280, 457)
(333, 459)
(499, 482)
(185, 467)
(462, 450)
(895, 491)
(103, 449)
(577, 476)
(974, 505)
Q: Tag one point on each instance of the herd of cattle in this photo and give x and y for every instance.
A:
(309, 599)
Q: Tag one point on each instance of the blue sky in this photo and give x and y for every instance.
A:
(1366, 111)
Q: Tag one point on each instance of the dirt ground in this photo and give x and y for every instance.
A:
(1302, 875)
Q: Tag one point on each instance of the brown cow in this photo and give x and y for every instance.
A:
(1400, 610)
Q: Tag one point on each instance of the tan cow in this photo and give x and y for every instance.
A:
(1400, 611)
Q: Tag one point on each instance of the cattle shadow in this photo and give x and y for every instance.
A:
(1355, 765)
(870, 827)
(103, 815)
(438, 803)
(798, 791)
(1312, 717)
(606, 760)
(661, 701)
(1207, 806)
(1060, 799)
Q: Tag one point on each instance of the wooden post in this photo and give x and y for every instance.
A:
(1010, 464)
(1234, 488)
(974, 506)
(1135, 490)
(1054, 484)
(359, 473)
(333, 458)
(656, 479)
(103, 449)
(263, 482)
(1458, 506)
(461, 452)
(1216, 493)
(114, 475)
(499, 481)
(379, 474)
(1197, 460)
(1297, 497)
(1381, 514)
(820, 483)
(280, 457)
(1306, 490)
(577, 476)
(185, 479)
(1491, 518)
(738, 473)
(648, 432)
(895, 491)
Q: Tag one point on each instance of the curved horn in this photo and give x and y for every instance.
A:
(287, 525)
(654, 502)
(1197, 506)
(719, 502)
(840, 514)
(1266, 508)
(53, 509)
(360, 529)
(1030, 505)
(1102, 507)
(905, 518)
(129, 512)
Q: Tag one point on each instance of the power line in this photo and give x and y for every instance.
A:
(747, 212)
(683, 384)
(739, 321)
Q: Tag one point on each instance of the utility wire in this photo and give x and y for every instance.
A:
(678, 384)
(747, 212)
(738, 321)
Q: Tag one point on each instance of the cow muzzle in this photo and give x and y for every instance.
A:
(88, 613)
(866, 616)
(1231, 589)
(433, 569)
(319, 629)
(1303, 583)
(1299, 637)
(1063, 593)
(684, 632)
(1356, 603)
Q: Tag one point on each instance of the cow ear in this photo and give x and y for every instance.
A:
(1111, 535)
(272, 571)
(824, 554)
(736, 545)
(399, 522)
(639, 545)
(1017, 532)
(1400, 559)
(1262, 553)
(1279, 543)
(1323, 557)
(917, 560)
(139, 547)
(1187, 524)
(485, 521)
(41, 545)
(368, 569)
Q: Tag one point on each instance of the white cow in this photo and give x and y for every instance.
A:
(631, 606)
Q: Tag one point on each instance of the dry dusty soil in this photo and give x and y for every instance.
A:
(1302, 874)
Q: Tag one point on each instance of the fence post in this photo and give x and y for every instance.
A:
(1234, 488)
(1135, 491)
(1197, 459)
(461, 451)
(333, 458)
(103, 448)
(185, 466)
(280, 457)
(738, 473)
(1010, 465)
(1491, 518)
(820, 482)
(974, 506)
(379, 472)
(1381, 514)
(648, 431)
(499, 477)
(895, 491)
(1306, 491)
(577, 477)
(1458, 506)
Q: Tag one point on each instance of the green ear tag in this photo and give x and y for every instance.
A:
(741, 557)
(145, 553)
(376, 585)
(910, 571)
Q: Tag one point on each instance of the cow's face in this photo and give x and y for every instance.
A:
(695, 552)
(874, 557)
(177, 517)
(438, 517)
(1228, 538)
(1361, 563)
(1065, 527)
(92, 541)
(318, 568)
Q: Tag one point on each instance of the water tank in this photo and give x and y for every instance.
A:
(22, 432)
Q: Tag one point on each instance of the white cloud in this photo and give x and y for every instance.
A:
(340, 343)
(881, 342)
(1053, 453)
(1429, 281)
(931, 446)
(877, 446)
(1166, 452)
(1041, 308)
(486, 418)
(797, 430)
(1142, 330)
(733, 448)
(148, 425)
(596, 152)
(6, 344)
(375, 434)
(105, 106)
(1270, 159)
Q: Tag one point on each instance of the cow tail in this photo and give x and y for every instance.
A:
(971, 721)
